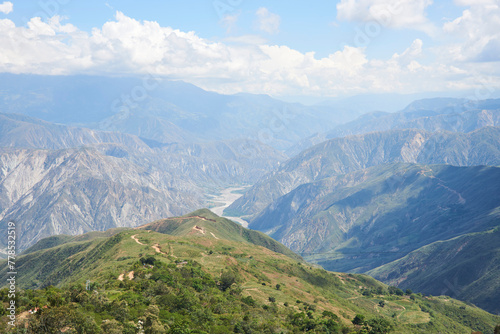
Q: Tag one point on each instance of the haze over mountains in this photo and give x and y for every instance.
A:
(376, 194)
(162, 110)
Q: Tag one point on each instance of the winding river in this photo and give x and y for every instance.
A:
(226, 198)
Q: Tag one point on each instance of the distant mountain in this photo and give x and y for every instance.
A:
(344, 155)
(208, 275)
(438, 114)
(466, 267)
(39, 161)
(162, 110)
(456, 115)
(26, 132)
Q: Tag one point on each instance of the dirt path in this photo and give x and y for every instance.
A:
(121, 277)
(136, 240)
(213, 235)
(157, 249)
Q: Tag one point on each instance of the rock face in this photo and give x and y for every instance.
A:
(345, 155)
(59, 179)
(360, 220)
(74, 191)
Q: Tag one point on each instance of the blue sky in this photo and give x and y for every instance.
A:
(283, 48)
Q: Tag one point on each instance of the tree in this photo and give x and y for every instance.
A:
(359, 319)
(408, 292)
(381, 303)
(497, 329)
(226, 280)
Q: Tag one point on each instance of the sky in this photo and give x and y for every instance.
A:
(313, 48)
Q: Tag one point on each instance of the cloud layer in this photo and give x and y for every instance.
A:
(126, 46)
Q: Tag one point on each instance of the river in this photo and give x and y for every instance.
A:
(226, 198)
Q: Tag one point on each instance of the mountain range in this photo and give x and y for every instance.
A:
(60, 179)
(433, 115)
(163, 110)
(361, 220)
(343, 155)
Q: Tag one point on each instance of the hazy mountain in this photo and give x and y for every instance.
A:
(344, 155)
(27, 132)
(457, 115)
(163, 110)
(439, 114)
(361, 220)
(466, 267)
(73, 191)
(102, 176)
(201, 275)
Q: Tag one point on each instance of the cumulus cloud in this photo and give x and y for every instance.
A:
(6, 7)
(387, 13)
(245, 64)
(479, 28)
(267, 21)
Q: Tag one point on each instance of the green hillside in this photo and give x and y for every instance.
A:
(465, 267)
(362, 220)
(205, 223)
(195, 282)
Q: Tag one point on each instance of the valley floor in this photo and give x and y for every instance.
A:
(225, 199)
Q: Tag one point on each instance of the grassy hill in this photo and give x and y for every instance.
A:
(466, 267)
(205, 223)
(195, 282)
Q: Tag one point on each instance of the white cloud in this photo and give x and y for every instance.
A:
(478, 31)
(6, 7)
(243, 64)
(410, 54)
(267, 21)
(387, 13)
(475, 2)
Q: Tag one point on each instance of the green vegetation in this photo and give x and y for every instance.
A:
(472, 275)
(199, 283)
